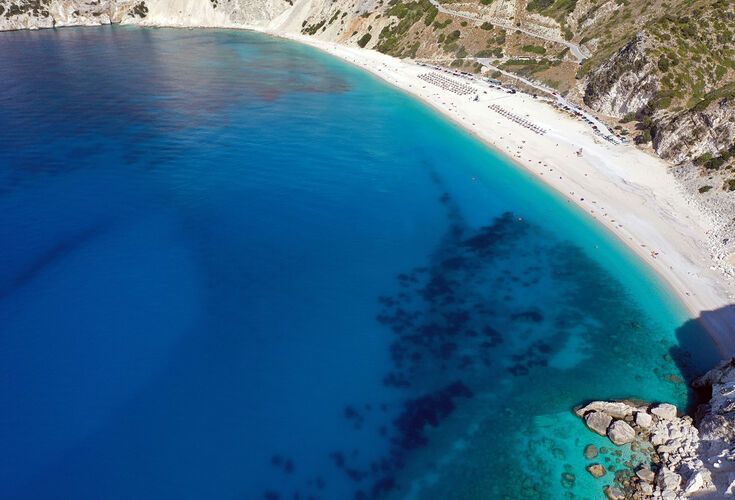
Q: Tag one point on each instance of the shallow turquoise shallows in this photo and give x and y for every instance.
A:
(235, 267)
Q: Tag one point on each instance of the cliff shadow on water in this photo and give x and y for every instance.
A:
(696, 351)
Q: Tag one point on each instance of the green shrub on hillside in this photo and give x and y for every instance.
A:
(557, 9)
(430, 15)
(726, 92)
(391, 37)
(453, 36)
(535, 49)
(441, 25)
(312, 29)
(364, 40)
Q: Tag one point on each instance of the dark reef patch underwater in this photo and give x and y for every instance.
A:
(234, 267)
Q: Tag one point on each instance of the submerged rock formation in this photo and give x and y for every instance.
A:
(688, 457)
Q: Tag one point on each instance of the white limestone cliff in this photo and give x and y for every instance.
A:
(33, 14)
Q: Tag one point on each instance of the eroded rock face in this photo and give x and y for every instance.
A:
(628, 82)
(692, 133)
(625, 83)
(32, 14)
(217, 13)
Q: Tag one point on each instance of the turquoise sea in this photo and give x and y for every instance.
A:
(235, 267)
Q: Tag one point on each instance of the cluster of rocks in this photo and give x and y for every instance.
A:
(686, 459)
(673, 441)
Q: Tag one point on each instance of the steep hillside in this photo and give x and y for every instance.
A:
(675, 64)
(673, 85)
(32, 14)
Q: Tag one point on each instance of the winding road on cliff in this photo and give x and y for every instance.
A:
(575, 49)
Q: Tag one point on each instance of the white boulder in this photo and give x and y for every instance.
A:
(643, 420)
(616, 409)
(598, 422)
(621, 433)
(664, 411)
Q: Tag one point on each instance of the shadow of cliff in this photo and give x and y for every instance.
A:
(711, 335)
(702, 343)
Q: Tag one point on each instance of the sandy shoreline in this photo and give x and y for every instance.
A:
(624, 189)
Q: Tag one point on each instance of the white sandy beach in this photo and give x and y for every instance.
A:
(627, 190)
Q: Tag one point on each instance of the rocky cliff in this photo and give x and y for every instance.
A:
(671, 87)
(212, 13)
(705, 131)
(677, 457)
(32, 14)
(345, 21)
(716, 423)
(625, 83)
(629, 85)
(674, 82)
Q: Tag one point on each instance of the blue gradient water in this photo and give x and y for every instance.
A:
(234, 267)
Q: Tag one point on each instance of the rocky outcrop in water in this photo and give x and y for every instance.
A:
(625, 83)
(686, 457)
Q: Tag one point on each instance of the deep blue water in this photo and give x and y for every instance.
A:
(234, 267)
